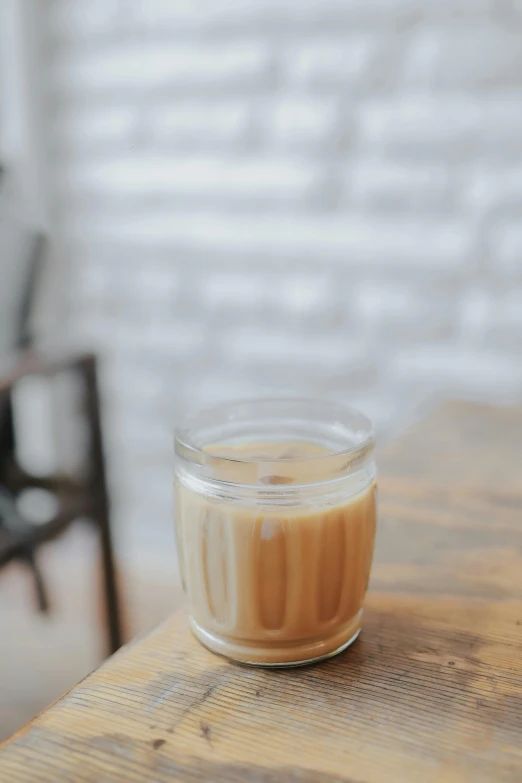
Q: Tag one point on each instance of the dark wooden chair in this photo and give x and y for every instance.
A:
(78, 497)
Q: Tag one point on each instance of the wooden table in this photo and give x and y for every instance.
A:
(432, 691)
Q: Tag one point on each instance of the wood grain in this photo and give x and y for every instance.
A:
(432, 691)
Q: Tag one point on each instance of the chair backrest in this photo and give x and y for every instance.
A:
(21, 253)
(21, 258)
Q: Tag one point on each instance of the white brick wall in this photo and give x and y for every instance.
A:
(318, 196)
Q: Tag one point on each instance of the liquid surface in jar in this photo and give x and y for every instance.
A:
(272, 584)
(296, 449)
(275, 462)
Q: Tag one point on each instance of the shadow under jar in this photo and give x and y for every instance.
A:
(275, 527)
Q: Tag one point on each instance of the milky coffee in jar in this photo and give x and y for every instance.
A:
(275, 527)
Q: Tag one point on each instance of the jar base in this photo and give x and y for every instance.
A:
(279, 657)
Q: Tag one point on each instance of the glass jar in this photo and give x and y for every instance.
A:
(275, 527)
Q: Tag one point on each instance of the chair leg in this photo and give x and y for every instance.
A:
(99, 486)
(112, 608)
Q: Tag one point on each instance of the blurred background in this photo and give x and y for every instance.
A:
(241, 198)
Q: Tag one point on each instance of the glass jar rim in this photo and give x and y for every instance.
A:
(347, 434)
